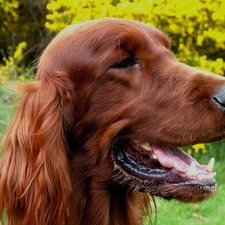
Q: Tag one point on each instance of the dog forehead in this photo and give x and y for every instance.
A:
(98, 41)
(127, 31)
(156, 35)
(101, 34)
(115, 32)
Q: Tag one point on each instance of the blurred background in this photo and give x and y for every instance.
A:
(197, 30)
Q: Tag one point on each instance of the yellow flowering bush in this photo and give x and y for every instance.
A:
(21, 22)
(8, 17)
(197, 27)
(11, 69)
(9, 8)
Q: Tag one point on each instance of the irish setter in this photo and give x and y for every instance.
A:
(100, 128)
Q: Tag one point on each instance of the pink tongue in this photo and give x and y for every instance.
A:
(173, 158)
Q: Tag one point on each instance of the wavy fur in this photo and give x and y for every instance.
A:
(98, 82)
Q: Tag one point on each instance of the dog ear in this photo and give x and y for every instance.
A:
(35, 181)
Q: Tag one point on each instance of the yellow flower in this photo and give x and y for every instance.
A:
(198, 147)
(18, 54)
(189, 151)
(200, 40)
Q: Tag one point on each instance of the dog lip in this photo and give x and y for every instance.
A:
(142, 183)
(162, 170)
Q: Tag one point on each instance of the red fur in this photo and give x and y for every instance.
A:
(57, 168)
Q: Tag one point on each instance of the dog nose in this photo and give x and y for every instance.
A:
(219, 98)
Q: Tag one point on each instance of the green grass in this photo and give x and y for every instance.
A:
(209, 212)
(5, 110)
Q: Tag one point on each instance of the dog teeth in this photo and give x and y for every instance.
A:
(206, 177)
(210, 164)
(193, 171)
(146, 146)
(211, 176)
(154, 156)
(202, 177)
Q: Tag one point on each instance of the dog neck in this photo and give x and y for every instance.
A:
(100, 202)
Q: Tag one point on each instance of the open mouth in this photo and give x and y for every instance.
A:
(146, 164)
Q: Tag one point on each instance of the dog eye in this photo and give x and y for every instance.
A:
(125, 63)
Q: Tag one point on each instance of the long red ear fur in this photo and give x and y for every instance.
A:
(35, 183)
